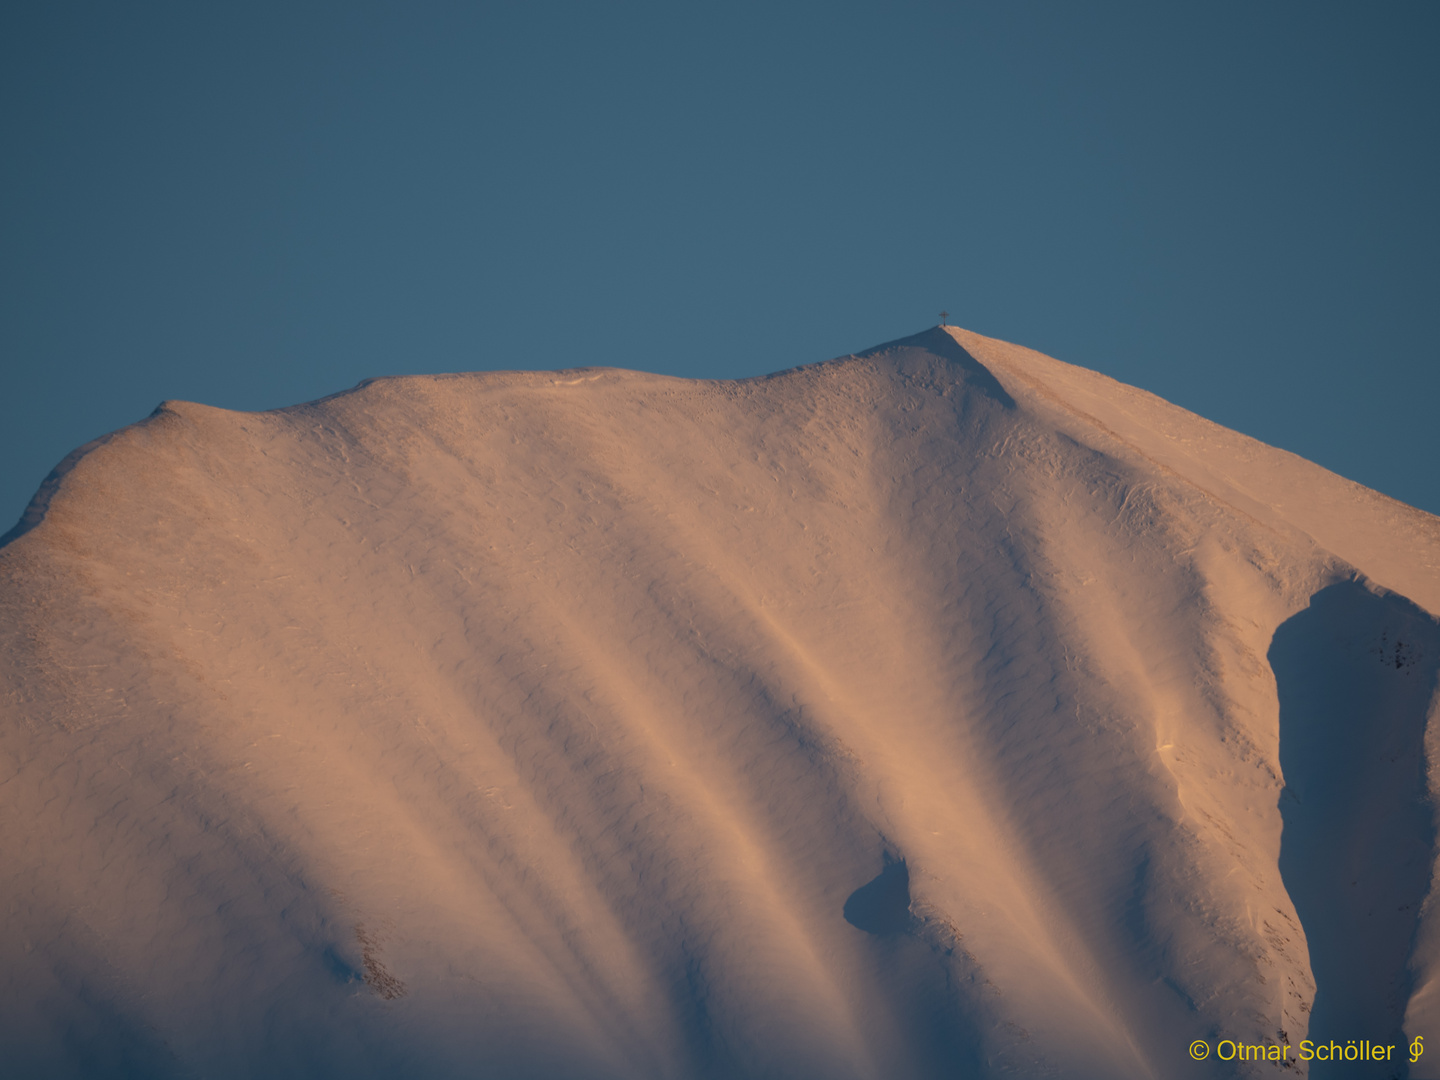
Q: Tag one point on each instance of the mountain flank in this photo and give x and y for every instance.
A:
(940, 710)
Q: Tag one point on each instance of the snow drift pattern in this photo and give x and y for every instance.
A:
(903, 716)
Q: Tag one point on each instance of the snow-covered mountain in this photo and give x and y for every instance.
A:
(939, 711)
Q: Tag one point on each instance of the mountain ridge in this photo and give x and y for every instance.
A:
(557, 720)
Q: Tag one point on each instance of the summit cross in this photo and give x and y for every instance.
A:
(943, 316)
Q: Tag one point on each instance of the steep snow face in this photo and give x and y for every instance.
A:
(910, 715)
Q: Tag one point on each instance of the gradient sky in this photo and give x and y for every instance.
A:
(250, 205)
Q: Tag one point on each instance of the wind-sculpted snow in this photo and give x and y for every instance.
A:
(909, 715)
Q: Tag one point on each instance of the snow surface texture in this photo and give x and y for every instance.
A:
(940, 711)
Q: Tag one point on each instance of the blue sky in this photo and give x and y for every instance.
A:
(250, 205)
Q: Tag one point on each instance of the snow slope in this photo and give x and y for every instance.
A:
(943, 710)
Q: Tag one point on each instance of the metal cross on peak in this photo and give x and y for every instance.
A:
(943, 316)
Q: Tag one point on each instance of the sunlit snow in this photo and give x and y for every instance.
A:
(914, 714)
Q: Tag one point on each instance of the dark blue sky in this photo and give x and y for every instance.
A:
(250, 205)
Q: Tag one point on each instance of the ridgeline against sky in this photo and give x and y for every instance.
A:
(249, 205)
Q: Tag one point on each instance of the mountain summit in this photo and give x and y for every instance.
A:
(941, 710)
